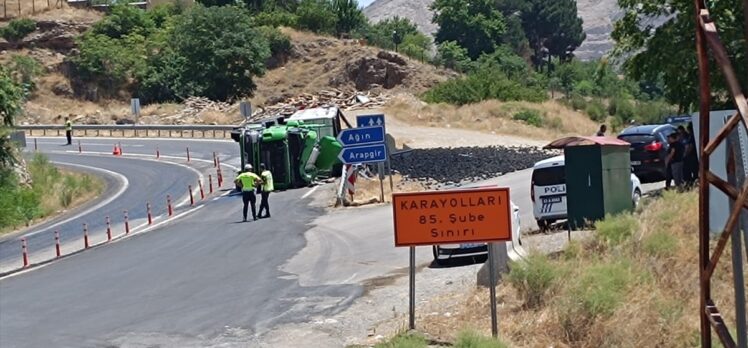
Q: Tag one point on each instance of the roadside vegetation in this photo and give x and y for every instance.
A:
(51, 191)
(633, 284)
(34, 190)
(465, 339)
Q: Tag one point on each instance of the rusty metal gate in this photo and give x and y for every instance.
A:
(708, 40)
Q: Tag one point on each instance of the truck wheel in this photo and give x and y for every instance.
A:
(542, 225)
(637, 197)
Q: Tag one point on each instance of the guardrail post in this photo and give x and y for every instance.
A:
(168, 205)
(188, 155)
(192, 199)
(202, 193)
(210, 184)
(148, 209)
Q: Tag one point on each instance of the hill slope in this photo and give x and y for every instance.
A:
(598, 16)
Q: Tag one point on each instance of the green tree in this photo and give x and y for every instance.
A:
(348, 16)
(506, 61)
(476, 25)
(382, 34)
(553, 26)
(212, 52)
(666, 52)
(416, 45)
(11, 97)
(124, 20)
(453, 56)
(315, 16)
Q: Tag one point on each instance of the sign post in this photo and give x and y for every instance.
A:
(449, 217)
(246, 110)
(378, 120)
(135, 108)
(365, 145)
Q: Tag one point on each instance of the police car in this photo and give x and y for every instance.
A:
(445, 252)
(548, 191)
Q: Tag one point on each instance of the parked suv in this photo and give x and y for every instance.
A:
(649, 149)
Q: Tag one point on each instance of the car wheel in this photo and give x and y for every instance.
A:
(438, 261)
(542, 225)
(637, 196)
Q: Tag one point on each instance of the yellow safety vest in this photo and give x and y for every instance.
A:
(68, 125)
(267, 181)
(248, 180)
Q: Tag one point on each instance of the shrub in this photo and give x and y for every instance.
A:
(531, 117)
(316, 16)
(279, 43)
(596, 110)
(26, 69)
(124, 20)
(598, 292)
(533, 279)
(472, 339)
(453, 56)
(276, 19)
(483, 85)
(660, 244)
(614, 230)
(404, 340)
(584, 88)
(18, 29)
(577, 102)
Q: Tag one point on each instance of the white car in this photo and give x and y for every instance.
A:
(445, 252)
(548, 191)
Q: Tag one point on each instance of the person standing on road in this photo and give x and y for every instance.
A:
(266, 188)
(674, 159)
(247, 181)
(602, 130)
(69, 130)
(691, 159)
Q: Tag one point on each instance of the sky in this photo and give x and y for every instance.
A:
(364, 3)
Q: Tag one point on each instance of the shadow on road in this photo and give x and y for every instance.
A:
(458, 262)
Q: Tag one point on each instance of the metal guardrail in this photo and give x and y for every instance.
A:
(132, 130)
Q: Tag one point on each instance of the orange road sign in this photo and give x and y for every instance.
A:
(455, 216)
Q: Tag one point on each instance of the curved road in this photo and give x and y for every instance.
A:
(205, 279)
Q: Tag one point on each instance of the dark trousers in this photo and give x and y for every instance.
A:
(69, 135)
(264, 203)
(249, 197)
(668, 175)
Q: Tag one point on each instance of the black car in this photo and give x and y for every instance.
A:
(649, 149)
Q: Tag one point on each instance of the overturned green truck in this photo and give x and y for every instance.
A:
(297, 150)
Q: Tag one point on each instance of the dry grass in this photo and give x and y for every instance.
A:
(493, 116)
(43, 10)
(369, 191)
(653, 305)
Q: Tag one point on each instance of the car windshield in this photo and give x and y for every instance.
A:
(549, 176)
(637, 138)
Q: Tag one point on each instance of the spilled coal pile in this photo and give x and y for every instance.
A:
(449, 166)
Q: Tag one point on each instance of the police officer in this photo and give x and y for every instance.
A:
(69, 130)
(266, 188)
(248, 181)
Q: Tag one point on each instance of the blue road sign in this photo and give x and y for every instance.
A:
(361, 136)
(363, 154)
(370, 120)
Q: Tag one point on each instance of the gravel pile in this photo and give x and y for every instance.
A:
(450, 166)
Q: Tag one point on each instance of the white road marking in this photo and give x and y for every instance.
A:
(116, 239)
(310, 192)
(186, 200)
(86, 144)
(121, 178)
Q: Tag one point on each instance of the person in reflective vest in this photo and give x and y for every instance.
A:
(247, 181)
(266, 188)
(69, 130)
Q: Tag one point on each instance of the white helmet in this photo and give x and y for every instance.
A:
(248, 167)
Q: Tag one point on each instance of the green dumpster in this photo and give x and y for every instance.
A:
(598, 178)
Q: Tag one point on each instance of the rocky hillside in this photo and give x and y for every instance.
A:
(598, 16)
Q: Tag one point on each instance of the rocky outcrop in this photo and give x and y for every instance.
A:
(386, 70)
(57, 36)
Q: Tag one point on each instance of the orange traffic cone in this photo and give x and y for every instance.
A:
(116, 151)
